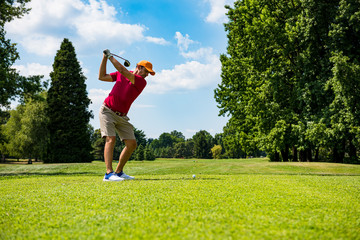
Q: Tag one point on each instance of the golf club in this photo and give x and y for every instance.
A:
(126, 63)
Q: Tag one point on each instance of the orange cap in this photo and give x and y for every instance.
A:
(147, 65)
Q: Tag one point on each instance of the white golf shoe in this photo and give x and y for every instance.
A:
(125, 176)
(112, 177)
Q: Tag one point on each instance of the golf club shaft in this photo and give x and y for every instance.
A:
(119, 57)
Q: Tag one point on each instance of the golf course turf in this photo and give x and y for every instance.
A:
(228, 199)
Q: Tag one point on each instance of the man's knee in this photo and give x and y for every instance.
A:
(110, 140)
(131, 144)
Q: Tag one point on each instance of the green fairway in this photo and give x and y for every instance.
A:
(228, 199)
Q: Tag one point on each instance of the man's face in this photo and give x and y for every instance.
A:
(143, 72)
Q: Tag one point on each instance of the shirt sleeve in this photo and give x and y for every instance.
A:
(114, 76)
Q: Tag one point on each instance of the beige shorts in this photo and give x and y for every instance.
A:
(110, 123)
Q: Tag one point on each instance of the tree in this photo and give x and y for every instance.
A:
(183, 150)
(281, 78)
(25, 132)
(216, 151)
(8, 54)
(33, 135)
(12, 85)
(177, 136)
(98, 145)
(139, 153)
(166, 140)
(345, 82)
(140, 137)
(4, 117)
(11, 129)
(68, 109)
(203, 143)
(149, 154)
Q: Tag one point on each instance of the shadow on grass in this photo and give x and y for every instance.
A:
(158, 177)
(175, 179)
(47, 174)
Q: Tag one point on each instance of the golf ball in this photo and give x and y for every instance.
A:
(194, 175)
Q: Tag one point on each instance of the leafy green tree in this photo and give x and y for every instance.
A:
(166, 140)
(25, 131)
(190, 145)
(9, 82)
(280, 78)
(139, 153)
(98, 145)
(4, 117)
(166, 152)
(68, 109)
(33, 135)
(149, 154)
(216, 151)
(11, 129)
(182, 150)
(203, 142)
(140, 137)
(12, 85)
(177, 136)
(345, 108)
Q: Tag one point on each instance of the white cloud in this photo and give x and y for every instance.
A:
(42, 45)
(34, 69)
(88, 23)
(98, 96)
(204, 54)
(188, 76)
(160, 41)
(218, 10)
(183, 42)
(31, 69)
(201, 70)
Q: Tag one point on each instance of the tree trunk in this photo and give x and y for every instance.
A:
(339, 153)
(3, 158)
(302, 156)
(285, 154)
(295, 154)
(308, 155)
(317, 155)
(277, 157)
(352, 152)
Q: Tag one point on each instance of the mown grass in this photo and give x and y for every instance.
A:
(228, 199)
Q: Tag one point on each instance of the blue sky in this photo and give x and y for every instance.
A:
(183, 39)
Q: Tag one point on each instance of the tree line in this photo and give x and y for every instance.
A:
(168, 145)
(290, 84)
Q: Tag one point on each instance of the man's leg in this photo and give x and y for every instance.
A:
(109, 152)
(130, 146)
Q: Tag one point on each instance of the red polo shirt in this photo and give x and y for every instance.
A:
(124, 93)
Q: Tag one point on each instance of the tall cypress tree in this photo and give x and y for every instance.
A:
(68, 109)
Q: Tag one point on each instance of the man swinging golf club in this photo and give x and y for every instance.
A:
(113, 113)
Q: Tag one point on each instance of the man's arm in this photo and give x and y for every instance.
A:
(123, 70)
(103, 76)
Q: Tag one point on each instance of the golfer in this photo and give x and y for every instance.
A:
(113, 113)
